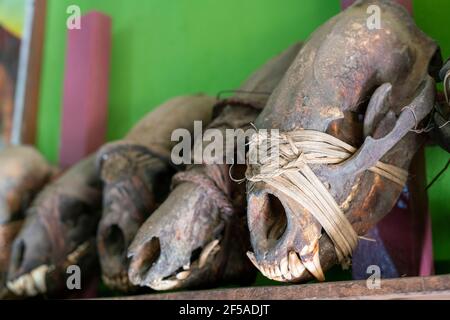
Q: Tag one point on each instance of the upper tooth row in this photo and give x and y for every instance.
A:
(120, 281)
(210, 249)
(30, 284)
(290, 267)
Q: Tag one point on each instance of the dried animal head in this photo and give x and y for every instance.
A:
(198, 236)
(335, 140)
(23, 172)
(136, 173)
(58, 232)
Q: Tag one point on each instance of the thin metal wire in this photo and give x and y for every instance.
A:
(447, 87)
(438, 175)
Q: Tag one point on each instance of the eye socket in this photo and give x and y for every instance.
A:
(18, 254)
(72, 210)
(162, 179)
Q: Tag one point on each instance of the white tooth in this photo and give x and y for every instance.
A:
(38, 276)
(277, 271)
(295, 265)
(30, 290)
(272, 272)
(280, 279)
(19, 286)
(206, 251)
(187, 266)
(287, 276)
(266, 272)
(314, 266)
(14, 288)
(183, 275)
(164, 284)
(284, 266)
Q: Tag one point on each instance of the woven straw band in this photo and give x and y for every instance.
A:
(287, 171)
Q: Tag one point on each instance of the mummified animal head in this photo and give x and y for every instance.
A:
(323, 181)
(190, 240)
(198, 236)
(23, 171)
(136, 182)
(58, 232)
(137, 172)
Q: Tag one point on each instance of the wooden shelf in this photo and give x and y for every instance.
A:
(434, 287)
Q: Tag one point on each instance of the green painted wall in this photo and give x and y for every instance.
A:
(165, 48)
(432, 17)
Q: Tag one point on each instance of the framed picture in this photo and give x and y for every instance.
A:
(21, 39)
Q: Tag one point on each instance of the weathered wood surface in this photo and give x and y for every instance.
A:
(434, 287)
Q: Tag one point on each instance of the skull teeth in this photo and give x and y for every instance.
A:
(30, 284)
(183, 275)
(119, 281)
(311, 262)
(295, 265)
(170, 283)
(207, 250)
(164, 284)
(290, 268)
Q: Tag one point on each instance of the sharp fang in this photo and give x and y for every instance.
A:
(183, 275)
(164, 284)
(206, 251)
(187, 266)
(38, 276)
(295, 265)
(313, 265)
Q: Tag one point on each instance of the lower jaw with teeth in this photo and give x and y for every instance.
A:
(30, 284)
(289, 268)
(181, 278)
(34, 282)
(118, 281)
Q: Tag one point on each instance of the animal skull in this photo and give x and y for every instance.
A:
(327, 89)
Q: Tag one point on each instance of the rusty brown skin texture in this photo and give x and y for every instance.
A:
(198, 237)
(59, 231)
(136, 173)
(327, 89)
(23, 172)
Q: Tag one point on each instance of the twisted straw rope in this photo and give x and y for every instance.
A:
(288, 172)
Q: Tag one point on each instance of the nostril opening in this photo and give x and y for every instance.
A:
(114, 241)
(18, 255)
(267, 219)
(276, 218)
(146, 257)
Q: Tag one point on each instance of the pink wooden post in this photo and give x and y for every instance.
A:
(406, 232)
(85, 98)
